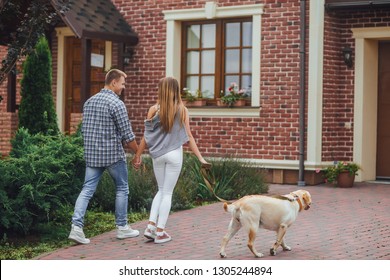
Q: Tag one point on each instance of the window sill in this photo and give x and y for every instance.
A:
(215, 111)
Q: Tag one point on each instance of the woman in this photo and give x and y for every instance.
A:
(167, 128)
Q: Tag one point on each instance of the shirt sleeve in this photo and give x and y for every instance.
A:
(122, 123)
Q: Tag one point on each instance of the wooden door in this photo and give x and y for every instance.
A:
(73, 102)
(383, 134)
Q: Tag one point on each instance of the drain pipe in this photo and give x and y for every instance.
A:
(302, 54)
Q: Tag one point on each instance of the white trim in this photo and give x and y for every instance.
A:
(62, 32)
(220, 12)
(222, 112)
(366, 98)
(283, 164)
(382, 33)
(211, 10)
(108, 56)
(315, 82)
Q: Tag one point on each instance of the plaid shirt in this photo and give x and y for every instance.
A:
(105, 126)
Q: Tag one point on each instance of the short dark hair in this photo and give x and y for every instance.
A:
(114, 74)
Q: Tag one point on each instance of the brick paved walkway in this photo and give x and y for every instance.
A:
(344, 224)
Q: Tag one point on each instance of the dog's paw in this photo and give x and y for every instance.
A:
(272, 252)
(222, 254)
(259, 255)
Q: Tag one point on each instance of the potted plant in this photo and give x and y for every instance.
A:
(342, 174)
(193, 99)
(235, 97)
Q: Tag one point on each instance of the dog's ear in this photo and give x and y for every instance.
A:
(306, 198)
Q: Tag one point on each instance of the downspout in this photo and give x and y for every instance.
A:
(302, 55)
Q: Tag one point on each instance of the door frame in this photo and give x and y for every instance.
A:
(366, 98)
(61, 33)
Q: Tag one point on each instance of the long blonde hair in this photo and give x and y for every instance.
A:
(170, 102)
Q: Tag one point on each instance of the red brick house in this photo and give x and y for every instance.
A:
(307, 103)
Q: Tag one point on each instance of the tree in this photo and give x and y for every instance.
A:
(36, 111)
(22, 23)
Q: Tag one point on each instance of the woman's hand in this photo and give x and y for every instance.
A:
(205, 164)
(136, 162)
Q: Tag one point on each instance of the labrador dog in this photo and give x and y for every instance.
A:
(275, 213)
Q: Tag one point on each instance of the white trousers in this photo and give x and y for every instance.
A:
(167, 170)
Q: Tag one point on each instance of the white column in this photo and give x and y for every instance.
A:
(173, 49)
(315, 80)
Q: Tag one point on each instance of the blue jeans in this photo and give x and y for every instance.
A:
(119, 174)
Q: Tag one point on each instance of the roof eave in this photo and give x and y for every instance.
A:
(356, 5)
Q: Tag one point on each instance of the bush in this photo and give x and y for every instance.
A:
(42, 174)
(232, 178)
(37, 112)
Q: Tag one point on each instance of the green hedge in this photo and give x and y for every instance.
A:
(41, 175)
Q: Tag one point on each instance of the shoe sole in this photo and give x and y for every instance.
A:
(127, 236)
(162, 241)
(78, 241)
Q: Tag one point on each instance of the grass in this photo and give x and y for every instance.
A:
(25, 248)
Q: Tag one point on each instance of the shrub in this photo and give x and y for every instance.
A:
(232, 179)
(43, 174)
(36, 112)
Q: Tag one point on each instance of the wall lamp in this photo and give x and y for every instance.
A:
(128, 53)
(347, 55)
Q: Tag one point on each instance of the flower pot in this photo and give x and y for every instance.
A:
(195, 103)
(345, 180)
(238, 103)
(220, 103)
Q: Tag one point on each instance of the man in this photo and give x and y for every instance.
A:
(105, 128)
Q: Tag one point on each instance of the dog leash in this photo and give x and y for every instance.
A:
(209, 179)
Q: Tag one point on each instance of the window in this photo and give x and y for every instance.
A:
(215, 55)
(211, 14)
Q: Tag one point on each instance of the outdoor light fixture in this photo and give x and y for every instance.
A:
(127, 54)
(347, 54)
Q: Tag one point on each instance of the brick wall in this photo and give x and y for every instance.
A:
(8, 125)
(338, 83)
(3, 86)
(8, 121)
(273, 135)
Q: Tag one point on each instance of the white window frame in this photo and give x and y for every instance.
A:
(212, 11)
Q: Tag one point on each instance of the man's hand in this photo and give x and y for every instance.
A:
(136, 162)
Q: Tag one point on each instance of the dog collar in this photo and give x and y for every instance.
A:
(299, 201)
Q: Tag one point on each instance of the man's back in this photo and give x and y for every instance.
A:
(105, 125)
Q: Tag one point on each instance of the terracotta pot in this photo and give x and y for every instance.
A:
(345, 180)
(195, 103)
(238, 103)
(220, 103)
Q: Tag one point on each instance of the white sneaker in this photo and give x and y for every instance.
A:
(77, 235)
(162, 237)
(150, 232)
(126, 232)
